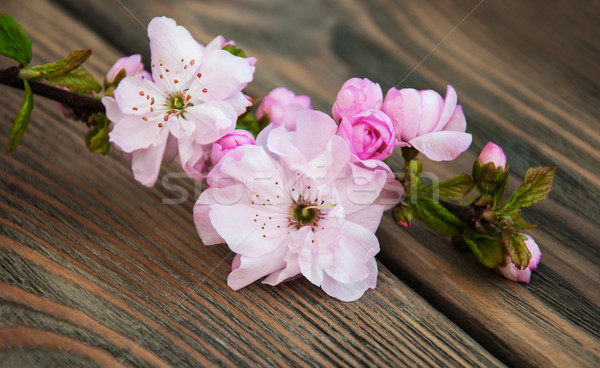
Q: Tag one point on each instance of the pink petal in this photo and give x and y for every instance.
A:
(308, 259)
(145, 164)
(511, 272)
(208, 234)
(134, 96)
(211, 120)
(131, 133)
(358, 246)
(449, 107)
(458, 122)
(169, 45)
(349, 292)
(222, 74)
(411, 113)
(368, 217)
(236, 225)
(251, 269)
(239, 102)
(432, 104)
(442, 146)
(170, 150)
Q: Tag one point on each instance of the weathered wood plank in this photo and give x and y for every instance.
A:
(527, 75)
(96, 271)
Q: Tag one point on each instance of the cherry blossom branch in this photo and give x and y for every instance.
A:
(82, 105)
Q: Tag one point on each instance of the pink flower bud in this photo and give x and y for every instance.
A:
(371, 134)
(281, 105)
(356, 95)
(492, 153)
(511, 272)
(424, 120)
(133, 67)
(230, 142)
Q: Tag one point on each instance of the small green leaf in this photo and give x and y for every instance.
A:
(235, 51)
(96, 138)
(248, 122)
(21, 122)
(14, 42)
(516, 248)
(454, 188)
(71, 62)
(487, 249)
(500, 190)
(537, 186)
(77, 80)
(520, 224)
(433, 214)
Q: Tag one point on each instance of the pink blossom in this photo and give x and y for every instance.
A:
(355, 96)
(434, 126)
(133, 68)
(195, 96)
(511, 272)
(371, 134)
(492, 153)
(295, 205)
(230, 142)
(281, 105)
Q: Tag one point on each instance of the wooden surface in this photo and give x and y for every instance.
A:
(96, 271)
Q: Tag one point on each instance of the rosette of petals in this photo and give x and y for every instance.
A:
(281, 106)
(355, 96)
(229, 142)
(511, 272)
(286, 207)
(195, 96)
(371, 134)
(434, 126)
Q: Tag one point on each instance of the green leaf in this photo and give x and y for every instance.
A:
(53, 70)
(454, 188)
(487, 249)
(77, 80)
(516, 248)
(14, 42)
(235, 51)
(21, 121)
(520, 224)
(433, 214)
(537, 186)
(96, 138)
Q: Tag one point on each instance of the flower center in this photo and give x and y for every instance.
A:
(178, 101)
(304, 214)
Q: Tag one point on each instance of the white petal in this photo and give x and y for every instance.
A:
(175, 54)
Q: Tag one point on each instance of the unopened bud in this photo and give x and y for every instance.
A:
(402, 215)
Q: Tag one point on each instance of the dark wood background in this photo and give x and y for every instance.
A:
(96, 271)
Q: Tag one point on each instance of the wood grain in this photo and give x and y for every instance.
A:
(527, 76)
(96, 271)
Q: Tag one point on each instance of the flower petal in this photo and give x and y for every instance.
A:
(134, 96)
(357, 246)
(457, 122)
(449, 107)
(442, 146)
(349, 292)
(175, 54)
(208, 234)
(222, 74)
(145, 164)
(251, 269)
(411, 113)
(212, 120)
(431, 107)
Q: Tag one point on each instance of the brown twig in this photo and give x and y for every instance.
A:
(82, 105)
